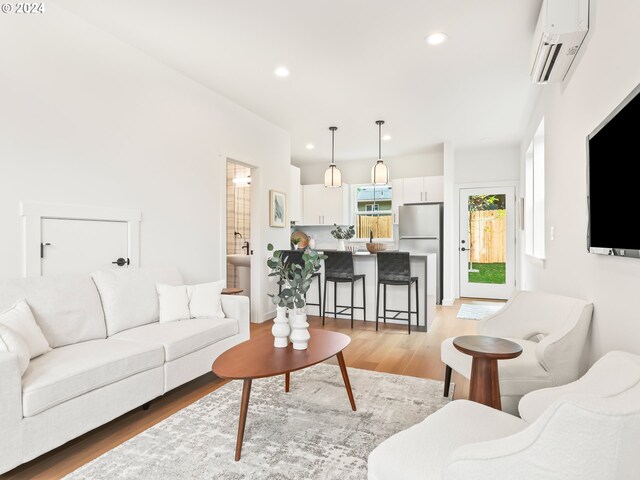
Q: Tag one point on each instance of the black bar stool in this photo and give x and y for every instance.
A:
(394, 268)
(338, 268)
(295, 256)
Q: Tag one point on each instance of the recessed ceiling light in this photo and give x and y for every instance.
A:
(386, 137)
(309, 146)
(436, 38)
(281, 72)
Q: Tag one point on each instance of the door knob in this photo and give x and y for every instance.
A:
(462, 249)
(122, 262)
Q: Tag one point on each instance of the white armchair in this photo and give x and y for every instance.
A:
(587, 430)
(552, 330)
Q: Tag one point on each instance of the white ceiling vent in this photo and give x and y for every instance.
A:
(561, 28)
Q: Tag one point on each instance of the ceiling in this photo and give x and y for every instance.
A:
(352, 62)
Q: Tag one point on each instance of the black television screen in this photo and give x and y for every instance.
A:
(614, 180)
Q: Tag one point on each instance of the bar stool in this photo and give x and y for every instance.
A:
(338, 268)
(295, 256)
(394, 268)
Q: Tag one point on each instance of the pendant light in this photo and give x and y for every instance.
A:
(333, 176)
(380, 172)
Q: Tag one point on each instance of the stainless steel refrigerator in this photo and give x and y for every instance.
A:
(420, 228)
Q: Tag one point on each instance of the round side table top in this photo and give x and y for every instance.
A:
(258, 358)
(487, 347)
(231, 291)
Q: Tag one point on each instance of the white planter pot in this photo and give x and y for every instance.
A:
(300, 330)
(281, 329)
(342, 246)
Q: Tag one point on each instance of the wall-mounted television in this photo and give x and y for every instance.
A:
(613, 176)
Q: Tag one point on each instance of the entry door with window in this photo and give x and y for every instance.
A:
(82, 246)
(487, 242)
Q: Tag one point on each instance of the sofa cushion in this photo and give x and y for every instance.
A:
(518, 375)
(10, 341)
(205, 299)
(129, 296)
(183, 337)
(422, 450)
(68, 372)
(66, 307)
(173, 302)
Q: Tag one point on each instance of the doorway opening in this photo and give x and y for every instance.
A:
(487, 242)
(238, 227)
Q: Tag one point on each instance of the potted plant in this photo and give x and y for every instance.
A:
(343, 233)
(294, 280)
(295, 241)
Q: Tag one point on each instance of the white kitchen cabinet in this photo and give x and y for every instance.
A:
(295, 198)
(423, 189)
(325, 206)
(397, 199)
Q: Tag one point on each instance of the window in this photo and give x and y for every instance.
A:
(373, 211)
(534, 227)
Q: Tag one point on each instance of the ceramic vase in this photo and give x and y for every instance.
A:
(312, 243)
(342, 246)
(281, 329)
(299, 329)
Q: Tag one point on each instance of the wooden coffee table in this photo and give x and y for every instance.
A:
(486, 351)
(258, 358)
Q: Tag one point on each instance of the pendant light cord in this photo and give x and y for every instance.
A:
(379, 141)
(333, 133)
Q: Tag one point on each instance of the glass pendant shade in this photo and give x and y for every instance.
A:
(380, 173)
(332, 176)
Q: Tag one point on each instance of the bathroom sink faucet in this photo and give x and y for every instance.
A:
(245, 245)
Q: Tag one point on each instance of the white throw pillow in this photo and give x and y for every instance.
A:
(205, 299)
(10, 341)
(20, 320)
(174, 302)
(129, 298)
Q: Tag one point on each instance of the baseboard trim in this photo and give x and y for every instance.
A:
(448, 302)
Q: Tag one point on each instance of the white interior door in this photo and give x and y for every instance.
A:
(487, 242)
(82, 246)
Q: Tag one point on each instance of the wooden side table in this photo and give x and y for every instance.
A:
(232, 291)
(486, 351)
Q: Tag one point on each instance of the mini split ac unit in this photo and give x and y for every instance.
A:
(561, 28)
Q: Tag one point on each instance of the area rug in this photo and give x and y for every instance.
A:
(478, 311)
(309, 433)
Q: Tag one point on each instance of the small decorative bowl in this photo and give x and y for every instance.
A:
(375, 247)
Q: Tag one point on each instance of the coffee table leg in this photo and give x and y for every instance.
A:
(485, 383)
(286, 381)
(345, 377)
(244, 406)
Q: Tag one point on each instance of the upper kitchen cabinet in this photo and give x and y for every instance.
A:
(422, 189)
(295, 198)
(325, 206)
(397, 189)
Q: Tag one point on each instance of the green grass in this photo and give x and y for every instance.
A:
(488, 273)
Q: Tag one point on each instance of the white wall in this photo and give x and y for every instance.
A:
(359, 171)
(88, 120)
(605, 72)
(487, 164)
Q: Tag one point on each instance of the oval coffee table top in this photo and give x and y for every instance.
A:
(258, 358)
(487, 347)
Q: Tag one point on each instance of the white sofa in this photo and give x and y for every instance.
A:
(101, 366)
(586, 430)
(552, 331)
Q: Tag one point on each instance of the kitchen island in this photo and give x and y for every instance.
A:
(423, 266)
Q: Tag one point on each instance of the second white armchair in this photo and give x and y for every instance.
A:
(552, 331)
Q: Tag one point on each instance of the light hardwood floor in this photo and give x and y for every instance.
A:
(390, 350)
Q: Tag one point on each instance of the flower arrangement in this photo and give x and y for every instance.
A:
(343, 233)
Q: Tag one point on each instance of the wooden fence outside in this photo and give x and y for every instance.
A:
(382, 226)
(488, 236)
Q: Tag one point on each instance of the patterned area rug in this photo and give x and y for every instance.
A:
(309, 433)
(478, 311)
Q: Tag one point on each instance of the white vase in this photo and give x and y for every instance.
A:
(281, 329)
(312, 243)
(299, 330)
(341, 245)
